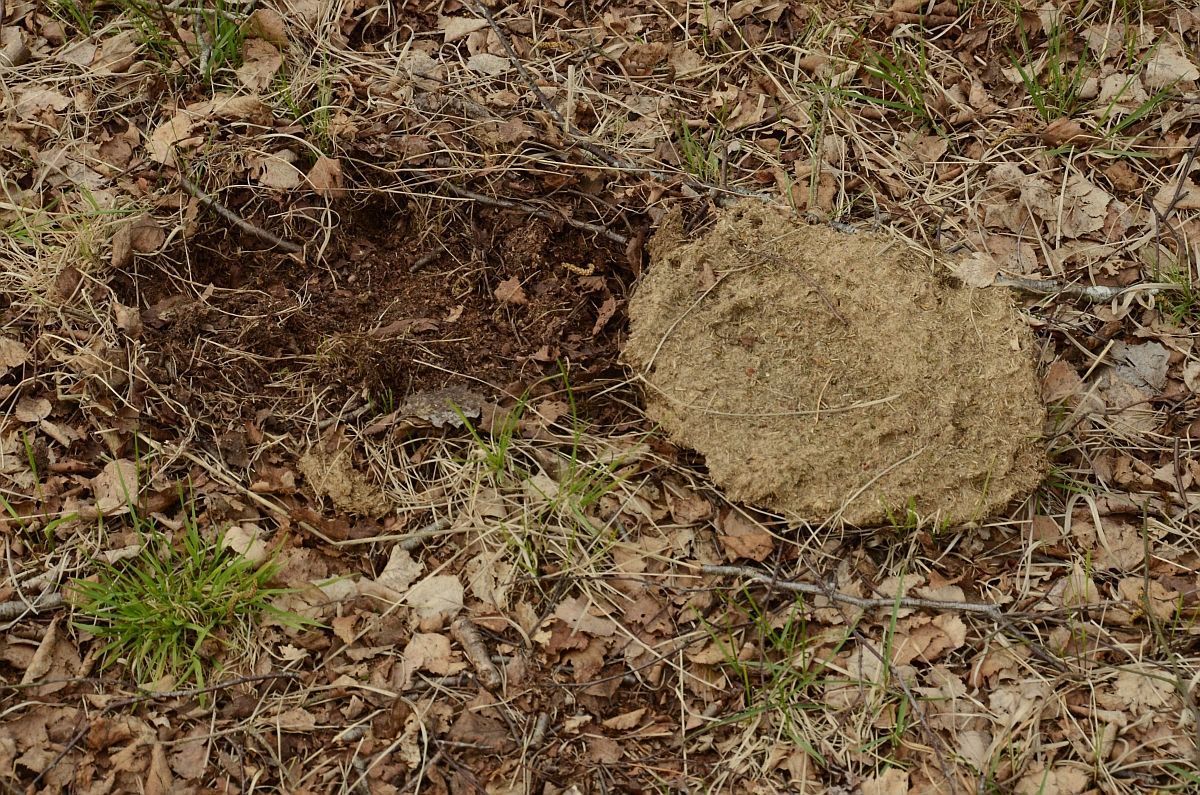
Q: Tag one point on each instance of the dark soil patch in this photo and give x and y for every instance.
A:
(392, 307)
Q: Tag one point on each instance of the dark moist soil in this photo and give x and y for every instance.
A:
(391, 307)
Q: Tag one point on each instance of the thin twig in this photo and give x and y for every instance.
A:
(799, 586)
(236, 220)
(509, 204)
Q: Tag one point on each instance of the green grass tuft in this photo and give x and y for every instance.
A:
(173, 609)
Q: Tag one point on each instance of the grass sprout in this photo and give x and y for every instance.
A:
(175, 608)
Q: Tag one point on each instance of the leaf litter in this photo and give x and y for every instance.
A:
(152, 345)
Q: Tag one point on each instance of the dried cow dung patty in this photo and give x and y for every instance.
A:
(833, 376)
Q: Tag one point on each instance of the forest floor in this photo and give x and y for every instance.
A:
(320, 470)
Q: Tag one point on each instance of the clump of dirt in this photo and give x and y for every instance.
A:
(831, 376)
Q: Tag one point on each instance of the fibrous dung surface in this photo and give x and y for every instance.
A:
(835, 376)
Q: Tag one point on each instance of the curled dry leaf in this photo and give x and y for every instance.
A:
(326, 177)
(146, 234)
(1060, 383)
(277, 171)
(260, 61)
(12, 354)
(743, 538)
(1169, 66)
(510, 292)
(399, 573)
(455, 28)
(13, 50)
(487, 64)
(1064, 131)
(32, 409)
(246, 540)
(268, 25)
(116, 486)
(436, 598)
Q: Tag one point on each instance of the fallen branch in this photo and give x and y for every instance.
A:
(477, 653)
(1090, 292)
(238, 221)
(18, 607)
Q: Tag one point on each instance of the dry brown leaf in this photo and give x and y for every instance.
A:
(116, 486)
(1168, 66)
(892, 781)
(580, 617)
(1183, 195)
(326, 177)
(178, 131)
(510, 291)
(490, 578)
(1064, 131)
(436, 599)
(32, 410)
(189, 759)
(398, 574)
(1061, 779)
(43, 658)
(158, 778)
(80, 54)
(268, 25)
(12, 354)
(260, 61)
(117, 53)
(487, 64)
(146, 235)
(626, 720)
(743, 538)
(246, 540)
(979, 269)
(277, 171)
(1060, 383)
(688, 507)
(1084, 205)
(122, 248)
(455, 28)
(13, 50)
(1191, 376)
(427, 651)
(32, 101)
(296, 719)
